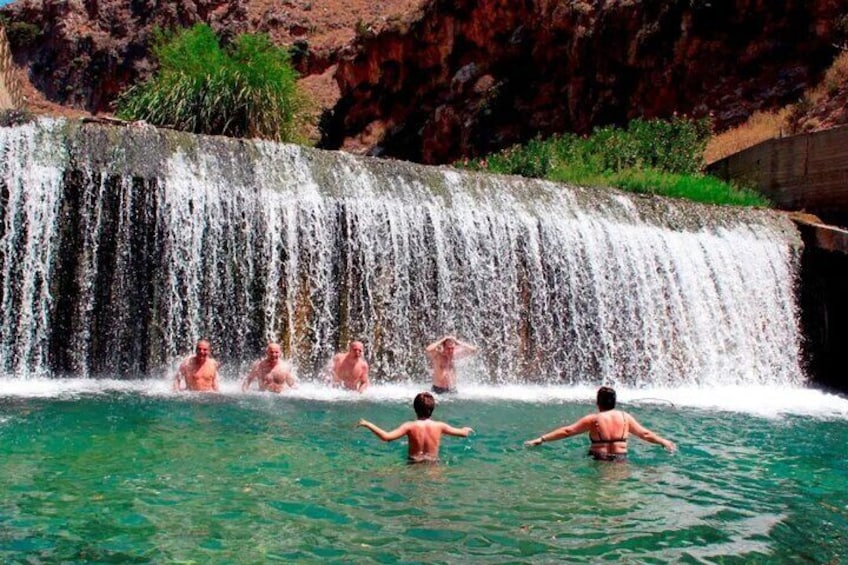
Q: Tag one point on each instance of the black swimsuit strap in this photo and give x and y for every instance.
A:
(600, 441)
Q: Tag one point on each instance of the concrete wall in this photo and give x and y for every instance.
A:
(11, 95)
(803, 172)
(809, 172)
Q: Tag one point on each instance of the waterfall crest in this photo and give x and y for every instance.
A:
(119, 247)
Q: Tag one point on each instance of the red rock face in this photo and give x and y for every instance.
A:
(87, 51)
(469, 77)
(90, 50)
(436, 80)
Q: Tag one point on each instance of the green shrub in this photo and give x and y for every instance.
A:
(22, 34)
(649, 156)
(246, 90)
(15, 117)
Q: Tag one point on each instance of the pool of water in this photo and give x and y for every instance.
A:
(111, 471)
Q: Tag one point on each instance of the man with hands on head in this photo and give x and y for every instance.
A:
(443, 353)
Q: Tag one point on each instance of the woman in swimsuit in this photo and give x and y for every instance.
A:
(608, 430)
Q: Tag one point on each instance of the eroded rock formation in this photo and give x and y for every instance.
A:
(433, 80)
(469, 77)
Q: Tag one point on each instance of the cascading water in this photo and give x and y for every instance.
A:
(119, 247)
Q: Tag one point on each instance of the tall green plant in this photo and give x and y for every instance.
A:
(246, 90)
(648, 156)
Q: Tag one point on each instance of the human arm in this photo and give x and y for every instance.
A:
(434, 347)
(178, 378)
(251, 376)
(396, 433)
(363, 381)
(645, 434)
(465, 431)
(580, 426)
(464, 349)
(215, 377)
(333, 378)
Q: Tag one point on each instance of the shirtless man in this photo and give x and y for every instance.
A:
(272, 373)
(350, 369)
(442, 354)
(424, 435)
(608, 430)
(200, 371)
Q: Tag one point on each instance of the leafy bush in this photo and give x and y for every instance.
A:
(15, 117)
(22, 34)
(650, 156)
(245, 90)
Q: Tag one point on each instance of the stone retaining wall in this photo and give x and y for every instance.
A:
(807, 172)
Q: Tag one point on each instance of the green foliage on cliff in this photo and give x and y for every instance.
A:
(649, 156)
(247, 89)
(21, 35)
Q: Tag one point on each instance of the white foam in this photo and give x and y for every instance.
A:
(764, 401)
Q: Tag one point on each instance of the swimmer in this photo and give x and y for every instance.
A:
(424, 435)
(442, 354)
(608, 430)
(272, 373)
(350, 369)
(200, 371)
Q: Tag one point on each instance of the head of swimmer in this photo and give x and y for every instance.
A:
(424, 404)
(355, 349)
(202, 350)
(606, 398)
(273, 352)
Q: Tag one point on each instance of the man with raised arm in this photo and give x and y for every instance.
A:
(272, 373)
(199, 371)
(350, 369)
(424, 435)
(443, 353)
(608, 430)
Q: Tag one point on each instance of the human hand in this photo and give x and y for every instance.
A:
(670, 446)
(468, 431)
(533, 442)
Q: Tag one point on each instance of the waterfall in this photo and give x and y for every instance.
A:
(119, 247)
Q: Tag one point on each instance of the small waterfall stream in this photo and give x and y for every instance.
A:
(119, 247)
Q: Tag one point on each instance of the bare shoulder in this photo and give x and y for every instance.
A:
(587, 421)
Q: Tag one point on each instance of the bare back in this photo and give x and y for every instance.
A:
(425, 437)
(609, 432)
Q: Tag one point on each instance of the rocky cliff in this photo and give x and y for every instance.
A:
(471, 76)
(432, 80)
(82, 53)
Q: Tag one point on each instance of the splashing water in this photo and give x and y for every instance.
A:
(119, 248)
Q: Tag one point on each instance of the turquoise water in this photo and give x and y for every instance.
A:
(133, 473)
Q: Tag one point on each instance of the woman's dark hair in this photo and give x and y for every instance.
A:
(424, 404)
(606, 398)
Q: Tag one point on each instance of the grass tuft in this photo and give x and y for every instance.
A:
(246, 90)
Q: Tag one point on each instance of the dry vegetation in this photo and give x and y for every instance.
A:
(823, 106)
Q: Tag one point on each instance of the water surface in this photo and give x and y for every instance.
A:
(110, 471)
